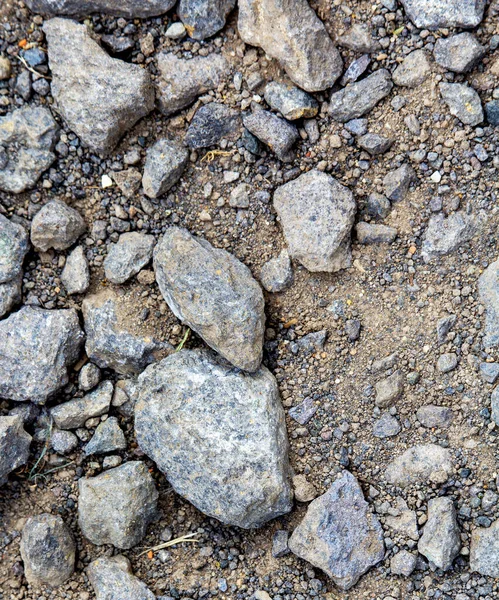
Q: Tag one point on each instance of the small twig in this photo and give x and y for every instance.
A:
(183, 538)
(20, 58)
(210, 155)
(71, 462)
(184, 339)
(32, 474)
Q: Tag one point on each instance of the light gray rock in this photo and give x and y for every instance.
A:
(433, 14)
(463, 102)
(165, 163)
(99, 97)
(374, 143)
(131, 9)
(386, 426)
(305, 491)
(403, 563)
(240, 196)
(218, 435)
(339, 534)
(49, 339)
(277, 273)
(373, 233)
(434, 416)
(389, 390)
(63, 442)
(27, 139)
(116, 506)
(128, 181)
(5, 68)
(441, 540)
(444, 325)
(14, 445)
(75, 276)
(488, 289)
(413, 71)
(458, 53)
(397, 182)
(10, 295)
(290, 101)
(484, 550)
(489, 372)
(360, 97)
(203, 18)
(56, 225)
(14, 245)
(112, 579)
(447, 362)
(214, 294)
(108, 437)
(210, 124)
(73, 414)
(301, 45)
(404, 521)
(317, 215)
(128, 256)
(48, 550)
(446, 234)
(494, 405)
(89, 377)
(181, 81)
(279, 135)
(420, 464)
(358, 39)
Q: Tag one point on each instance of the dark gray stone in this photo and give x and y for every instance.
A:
(131, 9)
(397, 182)
(73, 414)
(56, 225)
(492, 112)
(14, 445)
(352, 329)
(279, 135)
(280, 543)
(356, 69)
(459, 53)
(165, 163)
(433, 14)
(290, 101)
(374, 143)
(131, 253)
(112, 579)
(210, 124)
(108, 437)
(441, 541)
(312, 342)
(463, 102)
(203, 18)
(277, 274)
(378, 206)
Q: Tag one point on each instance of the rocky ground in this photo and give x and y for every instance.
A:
(316, 203)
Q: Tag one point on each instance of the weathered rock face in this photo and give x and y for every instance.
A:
(165, 163)
(210, 124)
(301, 45)
(433, 14)
(14, 244)
(204, 18)
(14, 445)
(56, 225)
(130, 9)
(488, 288)
(290, 101)
(27, 139)
(99, 97)
(128, 256)
(446, 234)
(117, 506)
(279, 135)
(277, 274)
(218, 435)
(215, 294)
(317, 215)
(484, 550)
(458, 53)
(463, 102)
(73, 414)
(48, 550)
(419, 464)
(339, 534)
(112, 579)
(413, 71)
(49, 339)
(10, 294)
(441, 541)
(76, 273)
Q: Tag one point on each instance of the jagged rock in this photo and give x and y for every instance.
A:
(165, 163)
(112, 579)
(484, 550)
(413, 71)
(446, 234)
(131, 9)
(434, 416)
(488, 288)
(444, 325)
(14, 445)
(389, 390)
(204, 18)
(373, 233)
(339, 534)
(48, 550)
(56, 225)
(279, 135)
(290, 101)
(89, 377)
(99, 97)
(378, 206)
(76, 273)
(463, 102)
(403, 563)
(128, 181)
(301, 45)
(360, 97)
(374, 143)
(280, 543)
(73, 414)
(128, 256)
(219, 436)
(317, 215)
(181, 81)
(277, 273)
(116, 506)
(49, 339)
(108, 437)
(214, 294)
(356, 69)
(27, 139)
(14, 244)
(210, 124)
(397, 182)
(419, 464)
(433, 14)
(458, 53)
(358, 39)
(240, 196)
(10, 294)
(441, 540)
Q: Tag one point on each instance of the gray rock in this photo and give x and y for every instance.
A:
(352, 329)
(463, 102)
(433, 14)
(303, 412)
(112, 579)
(14, 445)
(14, 245)
(458, 53)
(63, 442)
(108, 437)
(420, 464)
(301, 45)
(447, 234)
(111, 342)
(304, 490)
(494, 405)
(277, 273)
(484, 550)
(116, 506)
(317, 215)
(356, 126)
(240, 196)
(356, 69)
(279, 135)
(131, 9)
(73, 414)
(444, 325)
(280, 543)
(397, 182)
(49, 339)
(374, 143)
(165, 163)
(27, 139)
(358, 39)
(378, 206)
(488, 290)
(210, 124)
(290, 101)
(447, 362)
(218, 435)
(492, 112)
(214, 294)
(10, 294)
(489, 372)
(89, 377)
(56, 225)
(99, 97)
(441, 540)
(48, 550)
(389, 390)
(128, 181)
(339, 534)
(413, 71)
(403, 563)
(372, 233)
(181, 81)
(404, 521)
(360, 97)
(434, 416)
(128, 256)
(386, 426)
(312, 342)
(5, 68)
(203, 18)
(75, 276)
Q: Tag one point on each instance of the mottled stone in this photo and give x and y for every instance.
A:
(484, 550)
(360, 97)
(73, 414)
(397, 182)
(374, 143)
(413, 71)
(128, 256)
(56, 225)
(128, 181)
(447, 362)
(165, 163)
(403, 563)
(10, 295)
(63, 442)
(210, 124)
(75, 276)
(203, 18)
(386, 426)
(14, 245)
(389, 390)
(434, 416)
(359, 39)
(373, 233)
(279, 135)
(14, 445)
(277, 273)
(419, 464)
(463, 102)
(433, 14)
(290, 101)
(441, 540)
(89, 377)
(112, 579)
(458, 53)
(488, 289)
(108, 437)
(447, 234)
(131, 9)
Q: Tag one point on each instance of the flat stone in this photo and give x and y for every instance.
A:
(413, 71)
(14, 245)
(441, 540)
(403, 563)
(280, 543)
(389, 390)
(131, 9)
(108, 437)
(204, 18)
(279, 135)
(290, 101)
(489, 372)
(359, 39)
(463, 102)
(459, 53)
(488, 290)
(210, 124)
(165, 163)
(386, 426)
(304, 490)
(356, 69)
(372, 233)
(73, 414)
(63, 442)
(14, 445)
(447, 234)
(432, 416)
(397, 182)
(131, 253)
(277, 273)
(302, 413)
(434, 14)
(112, 579)
(447, 362)
(128, 181)
(374, 143)
(420, 464)
(56, 225)
(378, 206)
(484, 550)
(75, 276)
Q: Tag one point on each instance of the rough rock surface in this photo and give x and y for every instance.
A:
(210, 124)
(56, 225)
(403, 563)
(76, 273)
(131, 9)
(48, 550)
(108, 437)
(339, 534)
(99, 97)
(204, 18)
(458, 53)
(277, 274)
(23, 343)
(390, 389)
(441, 540)
(14, 244)
(373, 233)
(433, 14)
(165, 163)
(463, 102)
(290, 101)
(116, 506)
(488, 289)
(194, 411)
(302, 46)
(317, 215)
(214, 294)
(112, 579)
(434, 416)
(10, 295)
(73, 414)
(484, 550)
(446, 234)
(279, 135)
(128, 256)
(14, 445)
(413, 71)
(397, 182)
(419, 464)
(374, 143)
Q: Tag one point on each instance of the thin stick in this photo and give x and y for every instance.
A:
(183, 538)
(32, 473)
(184, 339)
(20, 58)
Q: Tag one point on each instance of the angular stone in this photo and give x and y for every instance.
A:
(48, 550)
(280, 543)
(374, 143)
(396, 183)
(279, 135)
(420, 464)
(372, 233)
(441, 540)
(277, 273)
(49, 339)
(165, 163)
(240, 196)
(290, 101)
(210, 124)
(403, 563)
(14, 445)
(434, 416)
(203, 18)
(446, 234)
(489, 372)
(56, 225)
(214, 294)
(413, 71)
(99, 97)
(356, 69)
(358, 39)
(378, 206)
(463, 102)
(75, 276)
(444, 325)
(488, 289)
(458, 53)
(73, 414)
(303, 412)
(27, 139)
(386, 426)
(405, 523)
(492, 112)
(389, 390)
(317, 214)
(14, 245)
(360, 97)
(218, 435)
(128, 181)
(116, 506)
(301, 45)
(128, 256)
(339, 534)
(10, 294)
(108, 437)
(484, 550)
(131, 9)
(434, 14)
(112, 579)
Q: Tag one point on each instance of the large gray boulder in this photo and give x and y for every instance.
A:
(488, 289)
(214, 294)
(14, 244)
(484, 550)
(99, 97)
(433, 14)
(37, 347)
(128, 256)
(131, 9)
(204, 18)
(441, 540)
(420, 464)
(218, 435)
(56, 225)
(14, 445)
(339, 534)
(300, 43)
(317, 215)
(112, 579)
